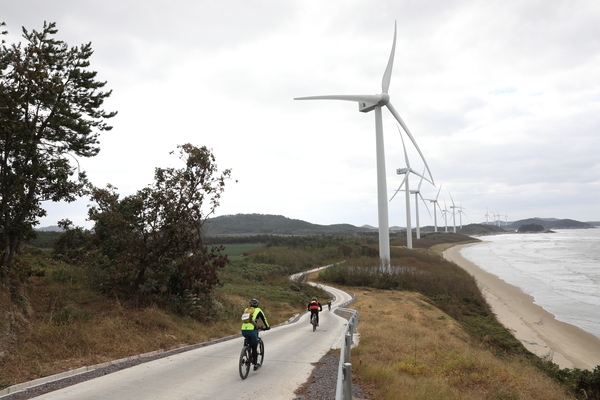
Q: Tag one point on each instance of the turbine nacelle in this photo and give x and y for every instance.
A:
(366, 107)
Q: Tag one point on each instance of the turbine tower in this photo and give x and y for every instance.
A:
(367, 103)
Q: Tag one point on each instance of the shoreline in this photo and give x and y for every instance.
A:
(539, 331)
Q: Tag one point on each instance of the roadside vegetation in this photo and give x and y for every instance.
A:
(426, 332)
(447, 344)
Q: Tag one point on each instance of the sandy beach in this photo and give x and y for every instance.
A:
(538, 330)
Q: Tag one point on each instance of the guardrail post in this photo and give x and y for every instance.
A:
(347, 381)
(348, 349)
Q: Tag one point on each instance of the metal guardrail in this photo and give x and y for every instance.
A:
(344, 380)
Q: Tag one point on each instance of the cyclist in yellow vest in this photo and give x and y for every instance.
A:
(250, 326)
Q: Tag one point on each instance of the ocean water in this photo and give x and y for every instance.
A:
(560, 270)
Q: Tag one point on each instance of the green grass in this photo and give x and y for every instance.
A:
(236, 251)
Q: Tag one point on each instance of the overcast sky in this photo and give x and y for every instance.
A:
(502, 97)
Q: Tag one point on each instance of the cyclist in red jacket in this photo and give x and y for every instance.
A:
(314, 307)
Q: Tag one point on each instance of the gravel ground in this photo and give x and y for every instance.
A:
(321, 384)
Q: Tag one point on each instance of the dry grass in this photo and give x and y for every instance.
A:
(411, 350)
(68, 328)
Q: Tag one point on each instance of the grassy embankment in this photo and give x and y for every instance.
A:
(427, 333)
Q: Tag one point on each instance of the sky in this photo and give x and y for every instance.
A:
(502, 97)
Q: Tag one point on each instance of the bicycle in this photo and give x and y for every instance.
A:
(313, 321)
(246, 355)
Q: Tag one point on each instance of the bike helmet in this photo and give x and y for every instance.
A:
(254, 303)
(314, 298)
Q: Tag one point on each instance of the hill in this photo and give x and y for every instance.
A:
(261, 224)
(550, 223)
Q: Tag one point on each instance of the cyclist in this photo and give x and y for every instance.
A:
(329, 305)
(314, 307)
(250, 328)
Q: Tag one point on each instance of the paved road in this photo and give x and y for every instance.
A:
(211, 372)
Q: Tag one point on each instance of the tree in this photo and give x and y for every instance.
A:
(153, 240)
(50, 115)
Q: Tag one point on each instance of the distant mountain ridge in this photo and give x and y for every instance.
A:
(551, 223)
(266, 224)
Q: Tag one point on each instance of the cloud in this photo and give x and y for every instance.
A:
(502, 98)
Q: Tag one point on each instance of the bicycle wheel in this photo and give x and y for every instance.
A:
(313, 321)
(245, 361)
(261, 351)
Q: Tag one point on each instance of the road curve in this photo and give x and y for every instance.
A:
(211, 372)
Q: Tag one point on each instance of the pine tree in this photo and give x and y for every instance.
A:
(50, 115)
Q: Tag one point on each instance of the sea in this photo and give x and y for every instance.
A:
(561, 270)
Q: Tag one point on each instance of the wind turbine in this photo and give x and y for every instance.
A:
(435, 204)
(367, 103)
(453, 207)
(446, 215)
(460, 213)
(498, 220)
(417, 194)
(406, 171)
(487, 214)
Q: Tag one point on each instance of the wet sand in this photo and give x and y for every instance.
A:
(538, 330)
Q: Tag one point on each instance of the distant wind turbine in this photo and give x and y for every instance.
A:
(406, 171)
(417, 194)
(460, 213)
(367, 103)
(487, 214)
(446, 215)
(435, 204)
(497, 217)
(453, 207)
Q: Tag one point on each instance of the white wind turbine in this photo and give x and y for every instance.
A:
(417, 194)
(497, 217)
(446, 215)
(435, 204)
(460, 213)
(406, 171)
(487, 215)
(453, 207)
(367, 103)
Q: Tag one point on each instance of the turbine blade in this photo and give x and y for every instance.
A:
(399, 187)
(366, 98)
(422, 176)
(421, 181)
(424, 202)
(401, 122)
(403, 147)
(452, 199)
(387, 75)
(436, 197)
